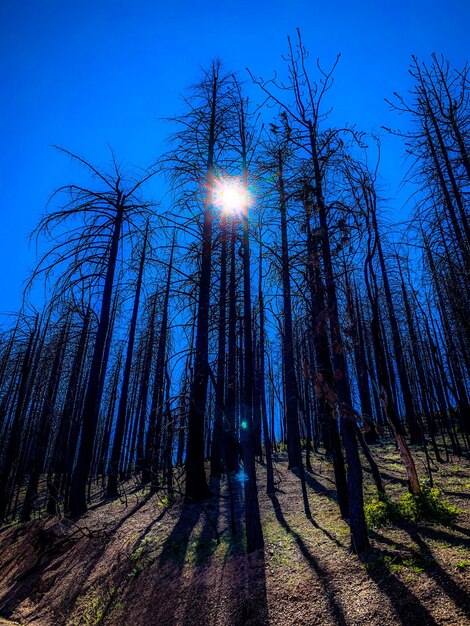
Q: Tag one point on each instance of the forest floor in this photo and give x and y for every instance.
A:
(149, 561)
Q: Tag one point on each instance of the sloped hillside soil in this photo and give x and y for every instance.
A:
(150, 560)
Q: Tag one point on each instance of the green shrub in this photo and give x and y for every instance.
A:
(427, 505)
(380, 511)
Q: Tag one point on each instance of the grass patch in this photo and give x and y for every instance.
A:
(414, 563)
(93, 607)
(141, 556)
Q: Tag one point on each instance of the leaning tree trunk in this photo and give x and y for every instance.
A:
(418, 362)
(461, 395)
(384, 382)
(416, 434)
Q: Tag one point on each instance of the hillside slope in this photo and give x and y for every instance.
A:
(149, 561)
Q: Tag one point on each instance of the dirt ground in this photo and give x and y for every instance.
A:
(149, 561)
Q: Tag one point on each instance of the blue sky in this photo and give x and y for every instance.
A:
(89, 74)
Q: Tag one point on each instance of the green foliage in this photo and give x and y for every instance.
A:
(411, 564)
(380, 511)
(94, 605)
(396, 564)
(94, 611)
(463, 564)
(427, 506)
(141, 557)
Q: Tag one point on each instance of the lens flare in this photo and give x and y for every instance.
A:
(230, 195)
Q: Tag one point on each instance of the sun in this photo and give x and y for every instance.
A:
(230, 196)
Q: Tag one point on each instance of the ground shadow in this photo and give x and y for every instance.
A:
(335, 608)
(457, 494)
(441, 535)
(206, 543)
(318, 487)
(315, 524)
(458, 595)
(410, 611)
(49, 547)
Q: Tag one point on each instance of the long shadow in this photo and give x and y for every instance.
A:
(122, 572)
(440, 535)
(255, 604)
(48, 551)
(390, 477)
(458, 595)
(149, 576)
(149, 527)
(170, 564)
(434, 570)
(335, 608)
(18, 532)
(457, 494)
(206, 543)
(176, 545)
(461, 529)
(373, 534)
(327, 462)
(409, 609)
(250, 573)
(319, 488)
(326, 533)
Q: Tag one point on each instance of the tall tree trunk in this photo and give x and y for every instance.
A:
(254, 532)
(232, 453)
(218, 451)
(291, 390)
(113, 471)
(415, 431)
(153, 442)
(324, 383)
(359, 538)
(196, 481)
(43, 426)
(10, 452)
(77, 504)
(384, 382)
(262, 384)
